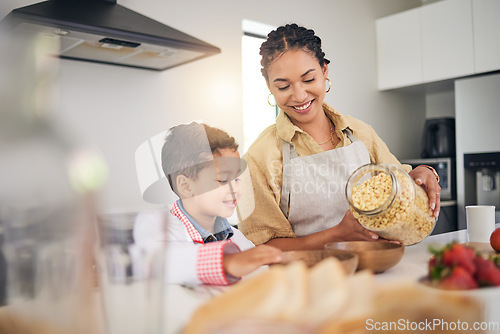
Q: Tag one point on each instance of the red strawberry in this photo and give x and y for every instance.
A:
(460, 255)
(436, 269)
(487, 273)
(460, 279)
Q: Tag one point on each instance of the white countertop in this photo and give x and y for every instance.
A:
(182, 301)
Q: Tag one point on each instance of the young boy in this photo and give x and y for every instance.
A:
(202, 165)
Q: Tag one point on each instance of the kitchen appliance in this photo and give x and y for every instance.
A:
(482, 180)
(438, 138)
(446, 169)
(105, 32)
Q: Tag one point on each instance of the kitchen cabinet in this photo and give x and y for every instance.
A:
(486, 15)
(447, 44)
(444, 40)
(399, 50)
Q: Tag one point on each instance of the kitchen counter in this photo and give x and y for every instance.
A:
(182, 301)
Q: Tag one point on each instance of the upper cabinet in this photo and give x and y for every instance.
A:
(447, 44)
(399, 52)
(443, 40)
(486, 18)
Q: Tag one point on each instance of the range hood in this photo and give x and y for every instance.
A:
(105, 32)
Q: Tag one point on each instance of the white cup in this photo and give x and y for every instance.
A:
(480, 222)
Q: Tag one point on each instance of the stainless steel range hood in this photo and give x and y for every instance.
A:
(105, 32)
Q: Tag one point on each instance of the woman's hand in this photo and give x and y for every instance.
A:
(425, 178)
(242, 263)
(349, 229)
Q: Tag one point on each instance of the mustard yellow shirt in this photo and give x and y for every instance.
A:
(264, 158)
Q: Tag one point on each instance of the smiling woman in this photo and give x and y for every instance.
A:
(300, 164)
(299, 91)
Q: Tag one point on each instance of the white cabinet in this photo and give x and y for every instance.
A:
(486, 18)
(443, 40)
(447, 42)
(399, 53)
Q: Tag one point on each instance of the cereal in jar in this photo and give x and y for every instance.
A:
(384, 199)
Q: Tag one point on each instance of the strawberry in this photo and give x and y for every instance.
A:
(460, 279)
(456, 266)
(487, 273)
(436, 269)
(460, 255)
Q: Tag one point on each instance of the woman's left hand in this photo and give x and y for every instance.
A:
(425, 178)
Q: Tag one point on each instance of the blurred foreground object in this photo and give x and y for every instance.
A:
(46, 202)
(348, 260)
(131, 275)
(324, 300)
(406, 307)
(290, 298)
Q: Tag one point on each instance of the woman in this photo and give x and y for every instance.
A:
(300, 165)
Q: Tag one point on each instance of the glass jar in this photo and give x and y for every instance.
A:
(385, 199)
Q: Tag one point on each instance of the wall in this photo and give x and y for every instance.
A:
(116, 108)
(440, 104)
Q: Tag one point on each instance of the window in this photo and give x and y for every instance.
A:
(257, 113)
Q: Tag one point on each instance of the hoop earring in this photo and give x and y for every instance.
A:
(329, 85)
(269, 102)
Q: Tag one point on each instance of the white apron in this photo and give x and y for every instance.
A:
(313, 189)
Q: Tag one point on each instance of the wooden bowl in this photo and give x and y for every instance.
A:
(377, 256)
(348, 260)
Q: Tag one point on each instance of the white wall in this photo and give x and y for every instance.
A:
(440, 104)
(117, 108)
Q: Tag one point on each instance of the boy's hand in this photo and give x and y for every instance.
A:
(242, 263)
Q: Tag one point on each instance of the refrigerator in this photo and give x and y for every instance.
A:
(477, 112)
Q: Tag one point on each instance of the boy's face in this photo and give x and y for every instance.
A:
(212, 194)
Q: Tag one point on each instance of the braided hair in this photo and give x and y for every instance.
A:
(290, 37)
